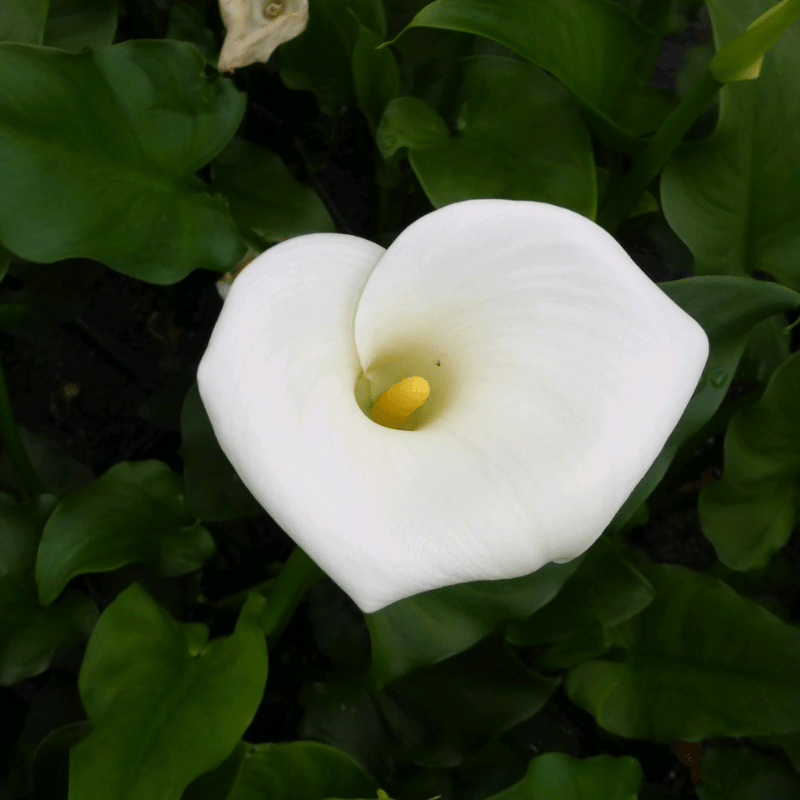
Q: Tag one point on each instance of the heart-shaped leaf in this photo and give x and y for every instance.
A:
(135, 512)
(700, 661)
(98, 152)
(165, 704)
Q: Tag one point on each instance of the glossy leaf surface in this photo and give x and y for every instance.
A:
(134, 512)
(432, 626)
(266, 201)
(749, 514)
(299, 771)
(700, 661)
(732, 197)
(122, 129)
(166, 705)
(518, 136)
(30, 634)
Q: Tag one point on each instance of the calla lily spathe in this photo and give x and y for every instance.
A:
(255, 28)
(556, 372)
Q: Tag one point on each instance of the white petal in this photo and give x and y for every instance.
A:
(562, 371)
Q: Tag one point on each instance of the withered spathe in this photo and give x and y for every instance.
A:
(255, 28)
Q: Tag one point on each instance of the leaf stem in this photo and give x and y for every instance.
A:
(620, 198)
(24, 473)
(299, 573)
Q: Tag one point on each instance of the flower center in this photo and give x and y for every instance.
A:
(399, 402)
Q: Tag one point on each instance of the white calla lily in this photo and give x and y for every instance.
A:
(255, 28)
(556, 370)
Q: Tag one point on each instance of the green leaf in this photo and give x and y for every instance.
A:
(187, 24)
(745, 775)
(410, 122)
(299, 771)
(376, 76)
(30, 634)
(728, 309)
(5, 261)
(432, 626)
(320, 59)
(134, 512)
(23, 21)
(606, 588)
(789, 743)
(98, 152)
(456, 706)
(559, 776)
(75, 24)
(741, 59)
(213, 489)
(732, 197)
(768, 347)
(518, 136)
(749, 514)
(266, 201)
(59, 473)
(591, 46)
(219, 781)
(344, 714)
(165, 704)
(699, 662)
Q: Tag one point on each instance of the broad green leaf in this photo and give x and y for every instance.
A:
(456, 706)
(320, 59)
(748, 524)
(22, 21)
(266, 201)
(187, 24)
(59, 473)
(430, 627)
(166, 705)
(518, 136)
(299, 771)
(745, 775)
(586, 643)
(376, 76)
(605, 588)
(134, 512)
(728, 309)
(741, 59)
(30, 634)
(749, 514)
(699, 662)
(213, 489)
(732, 197)
(338, 627)
(591, 46)
(789, 743)
(75, 24)
(5, 261)
(412, 123)
(558, 776)
(218, 783)
(345, 715)
(98, 152)
(768, 347)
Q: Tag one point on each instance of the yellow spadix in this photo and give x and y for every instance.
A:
(400, 401)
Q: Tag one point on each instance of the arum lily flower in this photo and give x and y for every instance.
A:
(470, 404)
(255, 28)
